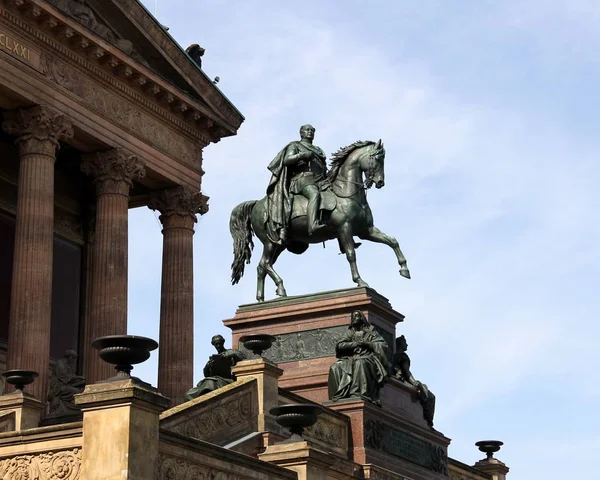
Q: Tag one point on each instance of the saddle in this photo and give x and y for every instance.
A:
(299, 203)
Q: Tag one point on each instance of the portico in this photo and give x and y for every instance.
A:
(94, 124)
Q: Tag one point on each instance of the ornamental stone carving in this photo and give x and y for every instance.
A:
(128, 115)
(204, 424)
(178, 206)
(385, 438)
(171, 467)
(114, 171)
(326, 432)
(64, 465)
(39, 129)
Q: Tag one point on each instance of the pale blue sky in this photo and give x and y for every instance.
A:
(488, 110)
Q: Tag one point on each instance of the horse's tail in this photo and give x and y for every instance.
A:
(240, 227)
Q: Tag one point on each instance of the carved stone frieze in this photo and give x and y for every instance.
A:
(114, 170)
(208, 422)
(385, 438)
(122, 112)
(317, 343)
(38, 129)
(326, 432)
(170, 467)
(290, 347)
(178, 206)
(128, 79)
(63, 465)
(60, 74)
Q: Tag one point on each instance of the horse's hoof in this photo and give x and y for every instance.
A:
(361, 284)
(405, 273)
(260, 299)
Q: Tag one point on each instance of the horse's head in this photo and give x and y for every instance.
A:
(371, 163)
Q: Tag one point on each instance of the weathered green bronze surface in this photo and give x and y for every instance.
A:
(362, 366)
(217, 371)
(402, 372)
(306, 204)
(383, 437)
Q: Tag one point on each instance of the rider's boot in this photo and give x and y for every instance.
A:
(313, 214)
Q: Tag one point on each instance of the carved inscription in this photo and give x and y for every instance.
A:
(65, 465)
(204, 424)
(15, 47)
(386, 438)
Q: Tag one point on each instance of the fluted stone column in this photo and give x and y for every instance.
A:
(39, 129)
(178, 208)
(114, 172)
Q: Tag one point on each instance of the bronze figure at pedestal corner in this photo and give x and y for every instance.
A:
(307, 204)
(217, 371)
(402, 372)
(361, 370)
(64, 385)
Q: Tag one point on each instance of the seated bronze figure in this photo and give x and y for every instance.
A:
(217, 371)
(362, 366)
(402, 372)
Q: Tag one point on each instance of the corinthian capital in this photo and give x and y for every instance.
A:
(114, 170)
(39, 129)
(178, 206)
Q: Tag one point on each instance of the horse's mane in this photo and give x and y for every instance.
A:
(339, 157)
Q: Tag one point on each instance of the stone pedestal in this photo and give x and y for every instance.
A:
(120, 430)
(307, 328)
(19, 411)
(385, 438)
(267, 376)
(492, 466)
(308, 462)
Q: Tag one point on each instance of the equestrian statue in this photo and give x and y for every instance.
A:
(307, 204)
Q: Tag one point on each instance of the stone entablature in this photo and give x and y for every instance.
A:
(93, 78)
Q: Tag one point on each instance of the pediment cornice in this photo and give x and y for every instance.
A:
(47, 24)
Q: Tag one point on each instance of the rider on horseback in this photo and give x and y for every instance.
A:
(299, 169)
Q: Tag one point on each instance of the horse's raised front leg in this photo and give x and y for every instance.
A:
(270, 254)
(376, 235)
(348, 247)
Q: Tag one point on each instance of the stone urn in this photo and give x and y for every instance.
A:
(257, 343)
(124, 351)
(489, 447)
(296, 417)
(20, 378)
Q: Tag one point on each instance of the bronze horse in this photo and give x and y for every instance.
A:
(345, 212)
